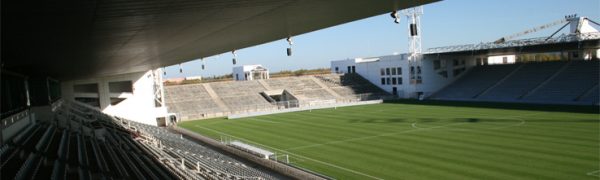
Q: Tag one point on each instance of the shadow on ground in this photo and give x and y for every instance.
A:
(497, 105)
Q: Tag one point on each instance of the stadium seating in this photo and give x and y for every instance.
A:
(83, 143)
(241, 95)
(593, 97)
(569, 84)
(525, 79)
(190, 100)
(194, 102)
(478, 80)
(351, 85)
(573, 82)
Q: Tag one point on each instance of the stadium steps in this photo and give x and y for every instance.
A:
(265, 84)
(534, 90)
(508, 76)
(329, 90)
(591, 96)
(476, 81)
(215, 97)
(522, 81)
(568, 85)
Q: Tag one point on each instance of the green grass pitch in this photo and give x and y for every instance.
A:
(415, 141)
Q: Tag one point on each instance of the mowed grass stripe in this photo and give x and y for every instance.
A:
(420, 154)
(416, 145)
(479, 157)
(378, 141)
(499, 148)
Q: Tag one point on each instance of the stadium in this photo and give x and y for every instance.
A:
(85, 96)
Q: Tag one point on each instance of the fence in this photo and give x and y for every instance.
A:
(284, 106)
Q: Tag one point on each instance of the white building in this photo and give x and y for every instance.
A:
(397, 76)
(134, 96)
(250, 72)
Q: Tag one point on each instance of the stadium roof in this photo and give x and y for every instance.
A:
(558, 43)
(76, 39)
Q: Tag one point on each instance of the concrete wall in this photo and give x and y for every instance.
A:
(287, 110)
(138, 105)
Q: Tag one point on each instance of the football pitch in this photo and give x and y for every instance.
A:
(418, 141)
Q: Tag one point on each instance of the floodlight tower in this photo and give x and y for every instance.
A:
(413, 16)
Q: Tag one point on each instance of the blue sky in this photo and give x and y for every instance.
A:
(449, 22)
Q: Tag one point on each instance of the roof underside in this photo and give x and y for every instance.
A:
(79, 39)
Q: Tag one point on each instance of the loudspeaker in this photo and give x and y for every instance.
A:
(413, 30)
(289, 51)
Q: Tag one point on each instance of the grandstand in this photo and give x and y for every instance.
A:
(87, 99)
(83, 143)
(232, 97)
(561, 82)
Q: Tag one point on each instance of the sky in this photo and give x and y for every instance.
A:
(444, 23)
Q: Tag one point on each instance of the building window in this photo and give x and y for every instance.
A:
(237, 77)
(399, 70)
(412, 70)
(394, 81)
(382, 71)
(353, 69)
(337, 69)
(387, 71)
(400, 81)
(382, 81)
(393, 71)
(388, 81)
(443, 73)
(418, 69)
(437, 64)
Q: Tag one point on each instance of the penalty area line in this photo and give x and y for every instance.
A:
(304, 157)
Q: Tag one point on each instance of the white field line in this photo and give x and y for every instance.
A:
(369, 137)
(414, 125)
(304, 157)
(594, 173)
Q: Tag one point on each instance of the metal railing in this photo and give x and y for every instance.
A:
(282, 105)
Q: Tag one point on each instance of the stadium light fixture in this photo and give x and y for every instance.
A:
(289, 50)
(234, 61)
(202, 60)
(394, 15)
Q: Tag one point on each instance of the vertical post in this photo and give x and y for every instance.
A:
(287, 159)
(182, 163)
(197, 166)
